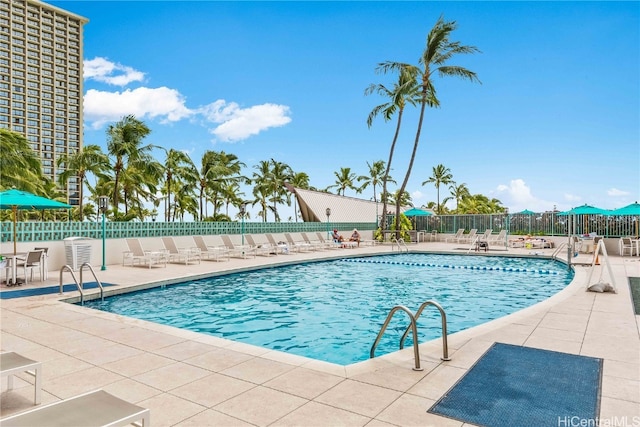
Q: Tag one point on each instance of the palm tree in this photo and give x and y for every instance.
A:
(124, 144)
(89, 159)
(19, 165)
(459, 192)
(280, 173)
(438, 51)
(298, 180)
(179, 167)
(218, 171)
(403, 92)
(377, 173)
(344, 180)
(440, 175)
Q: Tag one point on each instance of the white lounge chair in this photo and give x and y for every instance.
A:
(455, 237)
(185, 255)
(12, 363)
(138, 256)
(264, 249)
(238, 251)
(315, 244)
(499, 239)
(468, 238)
(96, 408)
(210, 252)
(283, 248)
(329, 243)
(300, 245)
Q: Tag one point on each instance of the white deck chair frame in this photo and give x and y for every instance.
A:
(96, 408)
(283, 248)
(12, 363)
(237, 251)
(138, 256)
(185, 255)
(214, 253)
(264, 249)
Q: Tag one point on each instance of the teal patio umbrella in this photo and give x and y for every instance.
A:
(15, 199)
(528, 213)
(583, 210)
(630, 210)
(415, 212)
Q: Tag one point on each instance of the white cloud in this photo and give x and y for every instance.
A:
(416, 195)
(617, 193)
(103, 70)
(102, 107)
(227, 120)
(572, 198)
(518, 197)
(238, 123)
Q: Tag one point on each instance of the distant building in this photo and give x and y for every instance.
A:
(41, 86)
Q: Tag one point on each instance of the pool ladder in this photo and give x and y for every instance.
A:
(402, 246)
(414, 327)
(80, 283)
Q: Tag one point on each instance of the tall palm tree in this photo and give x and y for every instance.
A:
(376, 174)
(124, 143)
(438, 51)
(19, 165)
(459, 192)
(344, 180)
(280, 173)
(179, 167)
(88, 160)
(404, 92)
(218, 171)
(440, 176)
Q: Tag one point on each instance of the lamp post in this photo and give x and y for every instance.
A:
(507, 225)
(103, 204)
(243, 210)
(154, 214)
(328, 212)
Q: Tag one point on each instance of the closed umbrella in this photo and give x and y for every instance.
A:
(15, 199)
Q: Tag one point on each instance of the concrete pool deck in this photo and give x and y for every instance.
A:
(190, 379)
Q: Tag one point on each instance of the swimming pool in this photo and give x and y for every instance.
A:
(333, 310)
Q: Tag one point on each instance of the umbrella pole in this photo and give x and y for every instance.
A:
(15, 222)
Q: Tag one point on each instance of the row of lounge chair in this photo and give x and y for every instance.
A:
(223, 247)
(472, 236)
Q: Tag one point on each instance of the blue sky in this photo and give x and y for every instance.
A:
(556, 120)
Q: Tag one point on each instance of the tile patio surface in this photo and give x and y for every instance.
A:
(189, 379)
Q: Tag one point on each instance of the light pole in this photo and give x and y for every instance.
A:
(103, 204)
(328, 212)
(243, 210)
(507, 225)
(154, 214)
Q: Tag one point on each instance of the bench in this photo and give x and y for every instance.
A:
(12, 363)
(96, 408)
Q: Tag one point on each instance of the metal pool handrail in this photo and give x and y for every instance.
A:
(80, 283)
(416, 351)
(443, 315)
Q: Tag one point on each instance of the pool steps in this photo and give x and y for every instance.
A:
(465, 267)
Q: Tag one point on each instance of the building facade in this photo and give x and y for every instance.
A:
(41, 84)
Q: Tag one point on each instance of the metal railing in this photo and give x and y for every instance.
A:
(413, 326)
(80, 284)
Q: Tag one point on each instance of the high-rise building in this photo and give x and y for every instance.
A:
(41, 51)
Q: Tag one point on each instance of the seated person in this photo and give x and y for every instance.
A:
(355, 236)
(336, 237)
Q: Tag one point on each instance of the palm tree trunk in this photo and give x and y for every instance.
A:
(383, 221)
(413, 156)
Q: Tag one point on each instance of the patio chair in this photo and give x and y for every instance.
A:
(264, 249)
(180, 254)
(625, 244)
(301, 246)
(468, 238)
(32, 260)
(315, 244)
(238, 251)
(455, 237)
(12, 363)
(500, 238)
(283, 248)
(138, 256)
(214, 253)
(97, 408)
(329, 243)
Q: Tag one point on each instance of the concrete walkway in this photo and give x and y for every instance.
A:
(189, 379)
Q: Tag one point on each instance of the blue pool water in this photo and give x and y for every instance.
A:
(333, 310)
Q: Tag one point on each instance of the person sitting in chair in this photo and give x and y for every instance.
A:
(355, 237)
(336, 237)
